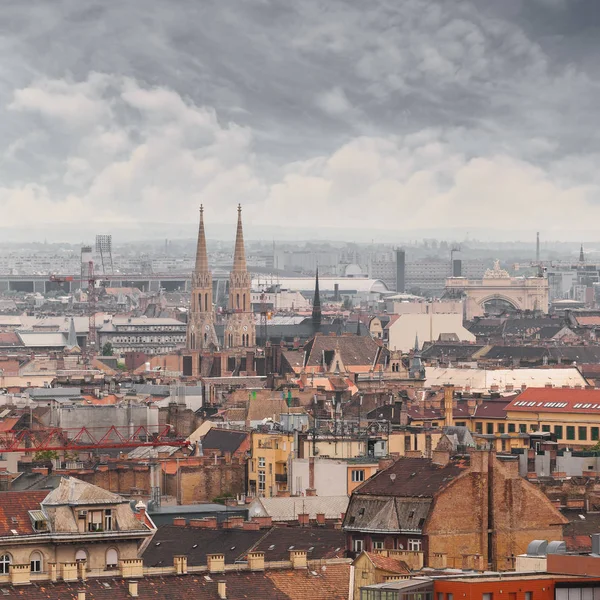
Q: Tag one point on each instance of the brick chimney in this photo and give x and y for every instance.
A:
(298, 558)
(303, 519)
(179, 522)
(215, 563)
(256, 561)
(448, 405)
(180, 564)
(222, 590)
(321, 518)
(311, 491)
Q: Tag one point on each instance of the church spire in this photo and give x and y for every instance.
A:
(201, 333)
(316, 311)
(240, 329)
(201, 254)
(239, 255)
(581, 255)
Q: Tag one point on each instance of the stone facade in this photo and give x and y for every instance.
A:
(201, 333)
(240, 329)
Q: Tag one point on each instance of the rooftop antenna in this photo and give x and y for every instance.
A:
(537, 248)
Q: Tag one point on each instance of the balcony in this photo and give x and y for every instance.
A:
(281, 478)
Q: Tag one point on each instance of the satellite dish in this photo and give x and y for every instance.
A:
(393, 476)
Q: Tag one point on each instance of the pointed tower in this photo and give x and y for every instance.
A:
(72, 345)
(201, 333)
(417, 370)
(316, 309)
(581, 255)
(240, 329)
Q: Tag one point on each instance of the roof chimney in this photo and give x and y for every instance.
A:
(80, 594)
(222, 590)
(133, 588)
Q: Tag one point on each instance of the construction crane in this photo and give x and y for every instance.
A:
(88, 438)
(60, 278)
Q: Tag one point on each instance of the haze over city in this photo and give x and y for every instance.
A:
(330, 119)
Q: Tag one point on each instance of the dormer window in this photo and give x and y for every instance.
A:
(38, 520)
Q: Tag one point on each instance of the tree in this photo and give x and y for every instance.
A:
(107, 349)
(45, 455)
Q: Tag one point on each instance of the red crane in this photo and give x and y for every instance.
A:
(88, 438)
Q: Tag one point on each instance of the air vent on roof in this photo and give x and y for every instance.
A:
(14, 532)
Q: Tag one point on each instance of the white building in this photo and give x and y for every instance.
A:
(428, 327)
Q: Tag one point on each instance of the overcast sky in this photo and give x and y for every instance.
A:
(403, 116)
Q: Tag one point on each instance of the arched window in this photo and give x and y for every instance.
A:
(81, 555)
(37, 562)
(244, 300)
(5, 561)
(205, 338)
(237, 296)
(112, 559)
(206, 309)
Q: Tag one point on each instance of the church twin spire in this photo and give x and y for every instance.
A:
(239, 328)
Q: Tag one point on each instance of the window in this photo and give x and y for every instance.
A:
(449, 596)
(501, 427)
(80, 555)
(95, 520)
(35, 561)
(582, 433)
(558, 432)
(487, 596)
(528, 595)
(262, 480)
(489, 428)
(261, 462)
(112, 559)
(358, 475)
(358, 545)
(108, 520)
(594, 433)
(5, 561)
(461, 423)
(570, 432)
(478, 427)
(522, 428)
(414, 545)
(546, 428)
(378, 545)
(511, 428)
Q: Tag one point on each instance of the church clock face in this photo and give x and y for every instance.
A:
(207, 327)
(231, 328)
(245, 327)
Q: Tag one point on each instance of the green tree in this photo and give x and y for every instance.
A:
(45, 455)
(107, 349)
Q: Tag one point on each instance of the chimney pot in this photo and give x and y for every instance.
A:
(80, 594)
(222, 590)
(133, 589)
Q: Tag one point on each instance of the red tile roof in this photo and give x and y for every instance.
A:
(8, 424)
(561, 400)
(493, 409)
(14, 511)
(386, 563)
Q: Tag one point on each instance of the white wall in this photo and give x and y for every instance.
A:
(331, 476)
(427, 327)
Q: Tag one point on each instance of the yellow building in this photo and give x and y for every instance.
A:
(571, 415)
(378, 567)
(267, 468)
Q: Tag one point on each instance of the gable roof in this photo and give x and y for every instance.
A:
(411, 477)
(14, 511)
(73, 492)
(224, 440)
(288, 509)
(354, 351)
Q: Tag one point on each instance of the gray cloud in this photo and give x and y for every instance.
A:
(437, 114)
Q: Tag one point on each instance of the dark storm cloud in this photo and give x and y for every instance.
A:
(451, 106)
